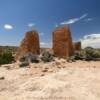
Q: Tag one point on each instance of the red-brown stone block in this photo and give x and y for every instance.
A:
(77, 46)
(62, 42)
(30, 44)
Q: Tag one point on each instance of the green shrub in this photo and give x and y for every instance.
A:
(90, 53)
(89, 50)
(34, 59)
(79, 57)
(46, 57)
(22, 59)
(96, 54)
(6, 57)
(29, 57)
(24, 64)
(70, 59)
(87, 54)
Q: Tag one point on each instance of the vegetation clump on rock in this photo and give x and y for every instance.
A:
(28, 58)
(24, 64)
(47, 57)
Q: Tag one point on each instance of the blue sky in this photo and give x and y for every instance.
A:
(19, 16)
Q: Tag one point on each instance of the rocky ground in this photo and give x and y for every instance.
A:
(58, 80)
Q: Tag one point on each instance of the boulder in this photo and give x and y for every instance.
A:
(30, 44)
(62, 42)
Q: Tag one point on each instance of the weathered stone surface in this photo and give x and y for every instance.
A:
(62, 42)
(30, 44)
(77, 46)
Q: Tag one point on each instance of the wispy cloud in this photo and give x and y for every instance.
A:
(31, 25)
(88, 19)
(8, 27)
(83, 16)
(41, 34)
(92, 40)
(56, 25)
(74, 20)
(91, 36)
(70, 21)
(45, 44)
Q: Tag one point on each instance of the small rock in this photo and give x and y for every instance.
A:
(2, 78)
(94, 66)
(42, 74)
(58, 66)
(58, 63)
(44, 70)
(7, 67)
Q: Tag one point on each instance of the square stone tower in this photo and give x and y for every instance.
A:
(62, 42)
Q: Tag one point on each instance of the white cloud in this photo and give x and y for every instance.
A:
(44, 44)
(88, 19)
(92, 36)
(74, 20)
(56, 25)
(8, 27)
(92, 40)
(70, 21)
(83, 16)
(31, 25)
(41, 34)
